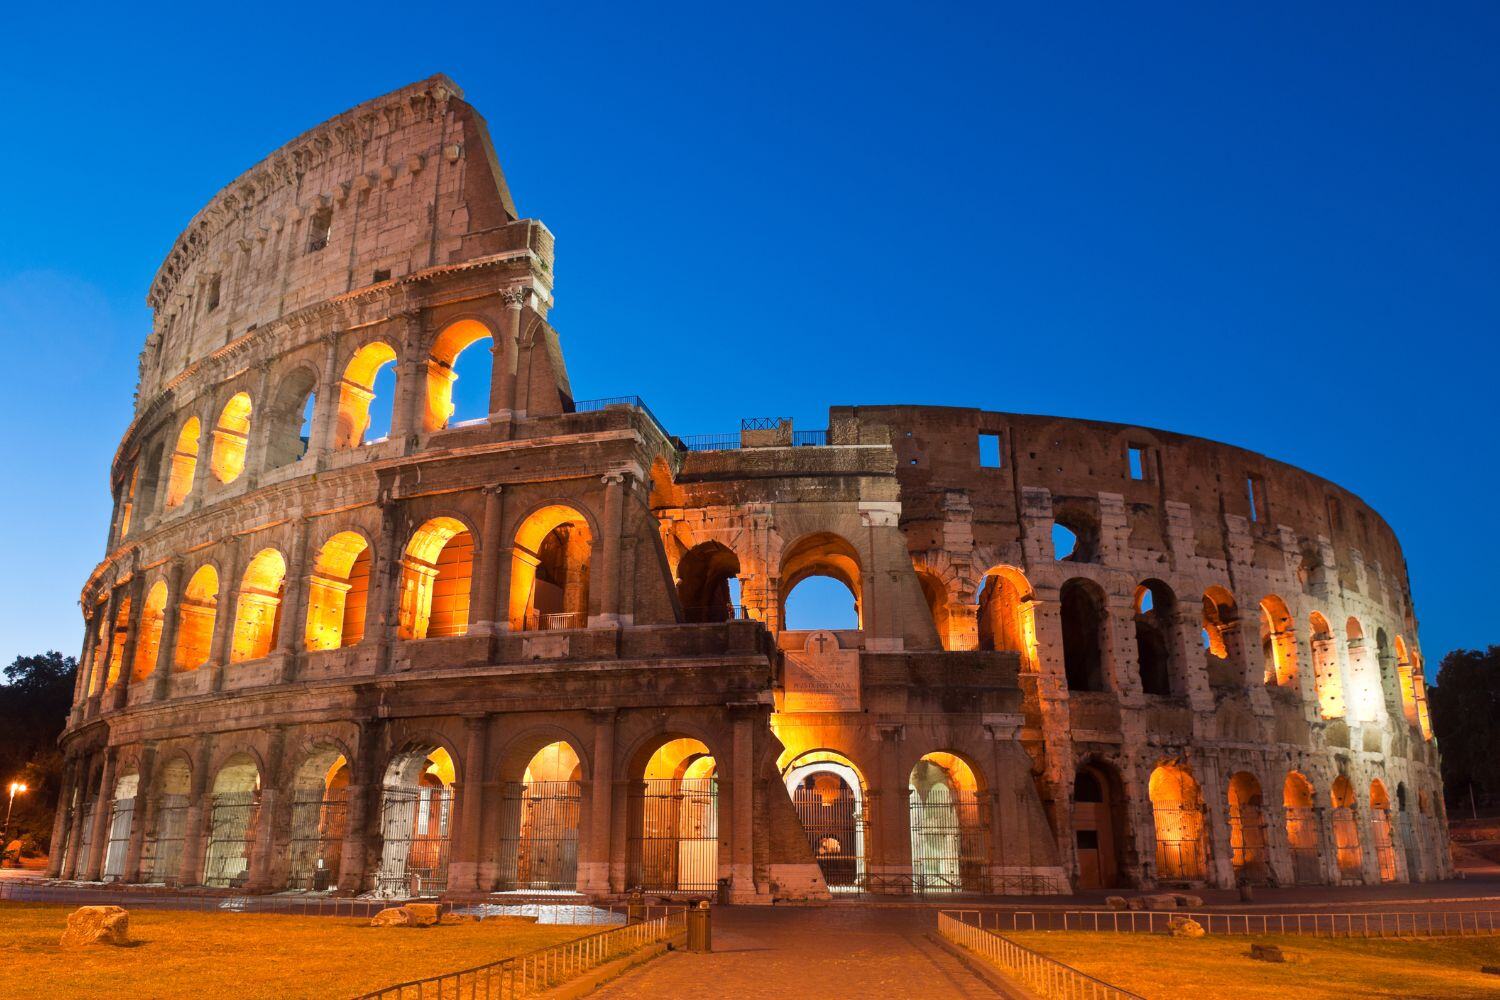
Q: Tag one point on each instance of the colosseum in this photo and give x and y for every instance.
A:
(343, 642)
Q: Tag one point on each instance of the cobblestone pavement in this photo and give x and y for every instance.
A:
(824, 954)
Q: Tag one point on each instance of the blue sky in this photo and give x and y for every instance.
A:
(1274, 226)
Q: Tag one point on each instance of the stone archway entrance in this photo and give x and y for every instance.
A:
(1096, 827)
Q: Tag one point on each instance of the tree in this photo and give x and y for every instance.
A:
(34, 704)
(1465, 704)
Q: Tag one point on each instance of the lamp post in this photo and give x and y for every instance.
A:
(15, 787)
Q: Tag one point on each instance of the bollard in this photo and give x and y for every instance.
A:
(700, 936)
(1247, 895)
(635, 908)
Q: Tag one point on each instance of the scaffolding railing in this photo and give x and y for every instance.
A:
(1382, 924)
(538, 971)
(1046, 976)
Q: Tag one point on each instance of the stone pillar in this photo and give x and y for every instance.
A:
(193, 845)
(742, 831)
(364, 791)
(99, 841)
(225, 610)
(71, 864)
(609, 558)
(507, 356)
(166, 650)
(139, 818)
(326, 405)
(380, 614)
(467, 845)
(1216, 805)
(61, 827)
(890, 810)
(132, 636)
(1122, 663)
(595, 851)
(103, 652)
(1188, 657)
(294, 602)
(484, 620)
(264, 846)
(411, 382)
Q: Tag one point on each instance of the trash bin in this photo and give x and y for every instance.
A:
(700, 935)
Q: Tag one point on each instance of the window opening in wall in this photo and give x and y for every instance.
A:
(380, 416)
(1256, 488)
(821, 602)
(384, 274)
(304, 431)
(213, 293)
(1064, 542)
(989, 451)
(471, 383)
(1137, 457)
(319, 229)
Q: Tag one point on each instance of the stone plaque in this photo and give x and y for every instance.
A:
(822, 676)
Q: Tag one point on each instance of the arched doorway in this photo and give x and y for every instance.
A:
(1302, 833)
(948, 847)
(1380, 831)
(1098, 832)
(1177, 811)
(416, 823)
(1247, 828)
(1155, 609)
(161, 857)
(549, 576)
(1346, 830)
(829, 561)
(232, 812)
(828, 793)
(539, 845)
(121, 814)
(320, 821)
(1082, 613)
(708, 583)
(674, 822)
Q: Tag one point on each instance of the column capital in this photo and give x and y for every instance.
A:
(514, 297)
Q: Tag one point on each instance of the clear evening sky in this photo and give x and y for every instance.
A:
(1275, 226)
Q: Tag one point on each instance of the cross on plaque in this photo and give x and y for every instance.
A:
(821, 640)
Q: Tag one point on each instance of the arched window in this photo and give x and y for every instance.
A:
(824, 569)
(161, 855)
(1082, 612)
(708, 583)
(1005, 614)
(1302, 829)
(1221, 637)
(231, 435)
(458, 375)
(949, 852)
(320, 820)
(1369, 697)
(1155, 606)
(338, 592)
(1177, 810)
(539, 843)
(117, 643)
(1247, 827)
(196, 611)
(1345, 829)
(232, 815)
(1075, 536)
(828, 793)
(436, 573)
(357, 393)
(121, 818)
(257, 616)
(1407, 679)
(417, 811)
(184, 463)
(1278, 642)
(148, 634)
(674, 819)
(1325, 661)
(1380, 831)
(549, 577)
(291, 417)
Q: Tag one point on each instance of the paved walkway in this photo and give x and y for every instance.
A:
(829, 953)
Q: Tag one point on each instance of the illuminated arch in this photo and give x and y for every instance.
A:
(417, 813)
(257, 615)
(1325, 662)
(1220, 623)
(357, 392)
(1406, 677)
(233, 810)
(161, 855)
(338, 592)
(1006, 619)
(1278, 642)
(231, 436)
(674, 818)
(1381, 832)
(196, 612)
(707, 581)
(436, 576)
(1177, 813)
(319, 819)
(1247, 827)
(441, 374)
(292, 407)
(184, 463)
(821, 554)
(949, 851)
(1303, 833)
(829, 794)
(1346, 829)
(148, 631)
(549, 577)
(539, 840)
(121, 630)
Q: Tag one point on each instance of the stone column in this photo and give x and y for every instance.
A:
(99, 841)
(326, 405)
(166, 649)
(467, 846)
(225, 609)
(1123, 660)
(193, 846)
(132, 637)
(507, 355)
(264, 846)
(380, 614)
(486, 586)
(139, 818)
(890, 811)
(609, 560)
(1216, 805)
(104, 651)
(202, 478)
(61, 827)
(364, 789)
(595, 852)
(742, 832)
(294, 602)
(71, 863)
(411, 382)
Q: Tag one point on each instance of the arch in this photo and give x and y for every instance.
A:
(148, 631)
(319, 819)
(821, 554)
(357, 392)
(1221, 637)
(1368, 696)
(935, 595)
(161, 851)
(338, 592)
(197, 610)
(539, 821)
(1303, 834)
(436, 577)
(442, 366)
(1177, 814)
(257, 614)
(1155, 614)
(1075, 536)
(231, 436)
(1005, 619)
(1325, 662)
(708, 582)
(1407, 680)
(417, 810)
(549, 578)
(1278, 642)
(289, 417)
(233, 808)
(121, 819)
(1247, 828)
(1345, 829)
(1380, 831)
(120, 631)
(1099, 825)
(1081, 607)
(674, 818)
(829, 794)
(949, 849)
(184, 463)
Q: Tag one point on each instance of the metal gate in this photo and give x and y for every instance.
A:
(166, 846)
(226, 861)
(119, 839)
(1302, 839)
(1247, 841)
(316, 846)
(835, 828)
(674, 839)
(539, 849)
(80, 861)
(1179, 843)
(948, 850)
(416, 826)
(1385, 848)
(1346, 839)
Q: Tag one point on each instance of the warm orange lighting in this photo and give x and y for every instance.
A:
(435, 580)
(357, 392)
(230, 438)
(440, 374)
(338, 592)
(195, 620)
(258, 614)
(550, 568)
(17, 788)
(184, 463)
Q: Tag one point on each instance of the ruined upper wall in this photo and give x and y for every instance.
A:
(398, 184)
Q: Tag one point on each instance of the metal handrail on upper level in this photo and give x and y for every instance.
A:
(604, 403)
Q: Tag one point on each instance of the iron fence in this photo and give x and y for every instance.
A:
(949, 843)
(674, 839)
(539, 846)
(1047, 976)
(984, 884)
(835, 825)
(1383, 924)
(538, 971)
(809, 439)
(226, 860)
(165, 849)
(604, 403)
(537, 621)
(416, 830)
(708, 442)
(316, 845)
(121, 814)
(715, 613)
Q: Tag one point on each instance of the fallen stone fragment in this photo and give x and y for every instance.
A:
(97, 925)
(392, 916)
(1267, 953)
(1186, 927)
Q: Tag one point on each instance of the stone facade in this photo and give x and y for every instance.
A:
(545, 649)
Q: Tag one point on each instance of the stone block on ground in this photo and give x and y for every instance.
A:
(458, 918)
(97, 925)
(1115, 902)
(1186, 927)
(1163, 901)
(1187, 901)
(422, 914)
(1135, 903)
(1267, 953)
(392, 916)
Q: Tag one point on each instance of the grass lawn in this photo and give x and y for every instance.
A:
(247, 956)
(1215, 967)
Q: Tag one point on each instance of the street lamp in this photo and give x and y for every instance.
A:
(16, 787)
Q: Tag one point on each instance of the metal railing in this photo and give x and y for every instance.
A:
(718, 613)
(604, 403)
(148, 898)
(708, 442)
(536, 621)
(537, 971)
(1047, 976)
(809, 439)
(974, 884)
(1386, 924)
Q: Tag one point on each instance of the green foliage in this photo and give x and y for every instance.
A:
(1465, 706)
(34, 705)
